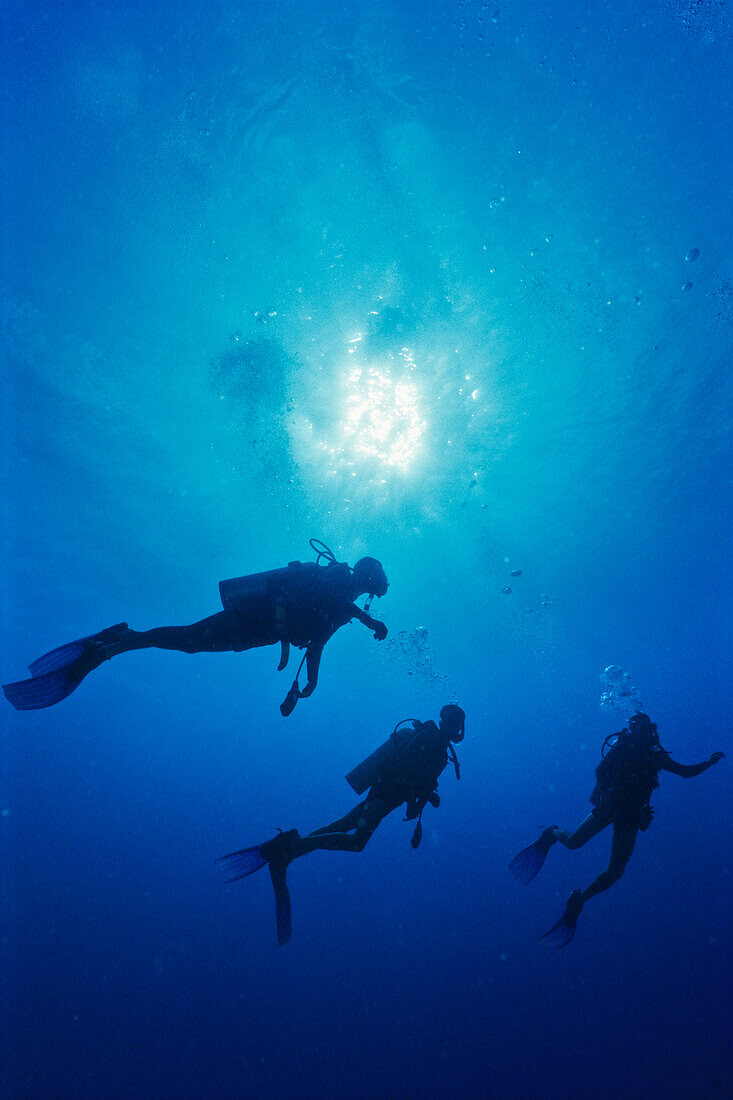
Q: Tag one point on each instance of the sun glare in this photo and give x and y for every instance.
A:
(381, 419)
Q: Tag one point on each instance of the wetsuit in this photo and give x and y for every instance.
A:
(413, 781)
(625, 779)
(299, 604)
(404, 769)
(303, 608)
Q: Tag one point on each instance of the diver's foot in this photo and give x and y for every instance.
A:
(107, 642)
(547, 838)
(68, 654)
(280, 850)
(99, 648)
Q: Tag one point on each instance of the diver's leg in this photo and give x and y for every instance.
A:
(529, 862)
(363, 819)
(225, 630)
(334, 842)
(593, 824)
(344, 824)
(624, 839)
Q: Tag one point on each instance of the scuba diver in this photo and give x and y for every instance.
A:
(405, 769)
(625, 779)
(301, 604)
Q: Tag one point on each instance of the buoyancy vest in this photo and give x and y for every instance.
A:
(627, 774)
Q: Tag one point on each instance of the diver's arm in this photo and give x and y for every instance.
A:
(687, 771)
(343, 608)
(380, 630)
(431, 795)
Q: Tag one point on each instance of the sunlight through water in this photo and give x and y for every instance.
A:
(381, 415)
(378, 421)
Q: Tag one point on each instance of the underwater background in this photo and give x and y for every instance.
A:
(448, 284)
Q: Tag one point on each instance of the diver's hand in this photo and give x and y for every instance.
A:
(380, 630)
(307, 690)
(716, 757)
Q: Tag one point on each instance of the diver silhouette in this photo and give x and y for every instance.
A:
(301, 604)
(625, 778)
(405, 769)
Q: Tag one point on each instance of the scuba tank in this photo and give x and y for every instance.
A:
(275, 583)
(236, 591)
(626, 776)
(389, 758)
(278, 584)
(388, 761)
(383, 760)
(608, 766)
(294, 584)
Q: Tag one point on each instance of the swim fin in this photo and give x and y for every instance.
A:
(278, 874)
(60, 672)
(528, 862)
(561, 933)
(246, 861)
(276, 852)
(44, 691)
(242, 863)
(67, 654)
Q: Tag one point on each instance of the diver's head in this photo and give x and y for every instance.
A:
(642, 729)
(453, 721)
(369, 576)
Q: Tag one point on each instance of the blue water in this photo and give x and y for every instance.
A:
(413, 280)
